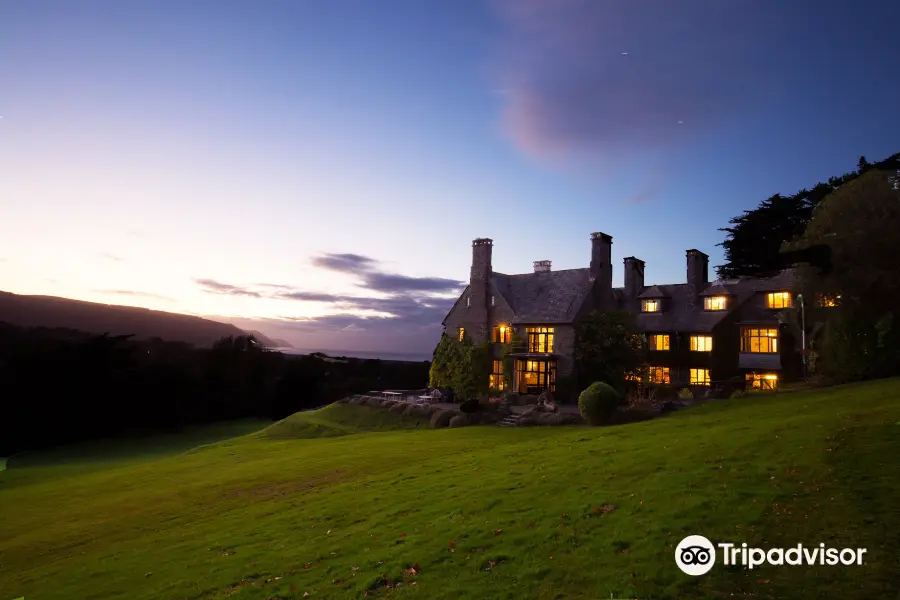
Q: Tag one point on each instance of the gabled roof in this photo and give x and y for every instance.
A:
(465, 293)
(716, 289)
(546, 297)
(653, 292)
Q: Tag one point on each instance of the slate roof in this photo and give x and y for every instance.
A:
(546, 297)
(681, 312)
(557, 297)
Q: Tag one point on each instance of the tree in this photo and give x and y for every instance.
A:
(754, 240)
(461, 366)
(859, 223)
(609, 347)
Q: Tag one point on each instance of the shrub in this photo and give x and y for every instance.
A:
(400, 407)
(738, 394)
(459, 421)
(598, 403)
(685, 394)
(441, 418)
(373, 402)
(528, 400)
(387, 403)
(469, 406)
(663, 392)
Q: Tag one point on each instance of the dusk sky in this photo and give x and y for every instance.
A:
(325, 166)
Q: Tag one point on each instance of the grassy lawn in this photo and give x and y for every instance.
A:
(485, 512)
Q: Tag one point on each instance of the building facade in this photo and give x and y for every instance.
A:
(699, 332)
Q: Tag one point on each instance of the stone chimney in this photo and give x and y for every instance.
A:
(697, 271)
(601, 269)
(634, 277)
(541, 266)
(479, 301)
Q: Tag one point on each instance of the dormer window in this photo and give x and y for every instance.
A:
(714, 303)
(492, 300)
(778, 300)
(650, 306)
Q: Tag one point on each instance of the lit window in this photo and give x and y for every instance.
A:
(535, 375)
(714, 303)
(502, 334)
(829, 301)
(699, 376)
(650, 306)
(762, 381)
(659, 342)
(659, 375)
(492, 301)
(462, 335)
(778, 300)
(701, 343)
(497, 382)
(540, 339)
(759, 340)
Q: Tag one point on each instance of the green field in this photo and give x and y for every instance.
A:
(320, 506)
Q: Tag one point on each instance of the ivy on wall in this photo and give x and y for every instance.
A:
(461, 366)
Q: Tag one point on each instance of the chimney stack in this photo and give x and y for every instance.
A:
(479, 296)
(697, 270)
(634, 277)
(541, 266)
(601, 269)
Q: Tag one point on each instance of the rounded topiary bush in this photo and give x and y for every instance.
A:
(441, 418)
(598, 403)
(459, 421)
(373, 402)
(388, 403)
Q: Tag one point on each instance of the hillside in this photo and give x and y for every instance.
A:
(477, 512)
(51, 311)
(267, 341)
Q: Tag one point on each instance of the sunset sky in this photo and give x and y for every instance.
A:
(324, 165)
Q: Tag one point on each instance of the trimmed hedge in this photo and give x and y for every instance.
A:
(598, 403)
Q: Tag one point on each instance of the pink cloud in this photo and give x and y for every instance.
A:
(612, 78)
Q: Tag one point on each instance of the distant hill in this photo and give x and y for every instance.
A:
(93, 317)
(267, 341)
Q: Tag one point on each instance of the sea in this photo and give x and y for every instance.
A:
(398, 356)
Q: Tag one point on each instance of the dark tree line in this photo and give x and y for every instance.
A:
(753, 244)
(59, 386)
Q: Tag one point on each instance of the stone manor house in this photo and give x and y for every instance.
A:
(699, 332)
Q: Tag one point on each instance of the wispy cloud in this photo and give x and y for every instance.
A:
(136, 294)
(215, 287)
(345, 263)
(111, 256)
(370, 277)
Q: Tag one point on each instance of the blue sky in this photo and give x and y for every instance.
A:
(222, 158)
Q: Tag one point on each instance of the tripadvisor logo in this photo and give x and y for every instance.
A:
(696, 555)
